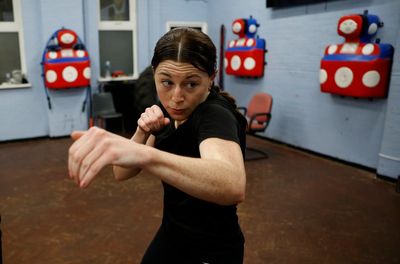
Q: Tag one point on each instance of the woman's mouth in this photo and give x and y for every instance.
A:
(177, 111)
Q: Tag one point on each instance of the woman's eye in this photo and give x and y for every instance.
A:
(191, 85)
(166, 83)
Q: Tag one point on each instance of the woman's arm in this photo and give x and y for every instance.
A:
(151, 120)
(218, 176)
(121, 173)
(96, 148)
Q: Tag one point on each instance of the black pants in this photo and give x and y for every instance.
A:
(164, 251)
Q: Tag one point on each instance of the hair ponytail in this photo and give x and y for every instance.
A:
(224, 94)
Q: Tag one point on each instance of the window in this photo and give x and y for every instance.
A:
(12, 62)
(117, 39)
(202, 26)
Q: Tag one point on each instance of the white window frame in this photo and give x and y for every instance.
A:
(16, 27)
(130, 25)
(195, 24)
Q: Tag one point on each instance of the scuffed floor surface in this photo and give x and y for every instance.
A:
(299, 208)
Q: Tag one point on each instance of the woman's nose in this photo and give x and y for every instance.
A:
(177, 95)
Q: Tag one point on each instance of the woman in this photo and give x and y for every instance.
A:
(194, 142)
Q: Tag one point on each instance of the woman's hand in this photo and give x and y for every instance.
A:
(96, 148)
(152, 120)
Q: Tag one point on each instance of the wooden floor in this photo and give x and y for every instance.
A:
(299, 208)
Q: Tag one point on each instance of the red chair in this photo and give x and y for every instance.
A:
(258, 115)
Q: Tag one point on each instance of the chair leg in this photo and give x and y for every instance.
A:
(122, 125)
(95, 122)
(98, 122)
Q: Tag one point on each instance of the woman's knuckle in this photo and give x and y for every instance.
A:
(84, 166)
(71, 151)
(100, 132)
(107, 143)
(93, 170)
(76, 158)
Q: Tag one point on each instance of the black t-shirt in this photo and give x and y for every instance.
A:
(187, 219)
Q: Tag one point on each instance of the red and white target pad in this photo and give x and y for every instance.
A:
(66, 66)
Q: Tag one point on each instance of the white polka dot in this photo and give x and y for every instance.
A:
(371, 79)
(343, 77)
(250, 42)
(70, 74)
(252, 28)
(332, 49)
(86, 73)
(80, 53)
(231, 44)
(368, 49)
(236, 27)
(348, 26)
(67, 53)
(67, 38)
(349, 48)
(51, 76)
(323, 76)
(235, 62)
(372, 29)
(240, 42)
(249, 63)
(225, 62)
(53, 55)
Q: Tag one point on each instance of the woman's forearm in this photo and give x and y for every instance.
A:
(121, 173)
(221, 181)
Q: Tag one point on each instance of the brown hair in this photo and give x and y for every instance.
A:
(192, 46)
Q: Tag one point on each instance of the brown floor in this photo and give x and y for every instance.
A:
(299, 209)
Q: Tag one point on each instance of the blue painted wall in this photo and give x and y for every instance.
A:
(24, 112)
(352, 130)
(359, 131)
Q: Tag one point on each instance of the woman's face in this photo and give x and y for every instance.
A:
(181, 87)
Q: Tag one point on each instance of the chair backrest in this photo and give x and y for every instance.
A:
(260, 103)
(103, 103)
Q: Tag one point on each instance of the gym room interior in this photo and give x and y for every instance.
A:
(322, 175)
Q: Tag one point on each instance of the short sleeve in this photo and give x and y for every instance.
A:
(214, 120)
